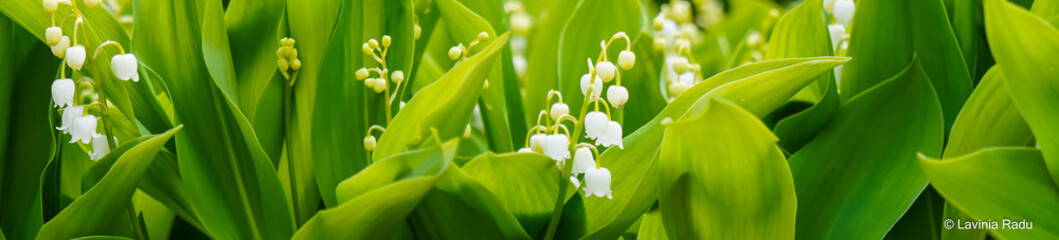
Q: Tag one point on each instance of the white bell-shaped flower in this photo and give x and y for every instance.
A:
(52, 35)
(84, 129)
(50, 6)
(369, 143)
(612, 137)
(558, 110)
(838, 33)
(124, 66)
(597, 182)
(678, 88)
(70, 114)
(537, 142)
(626, 59)
(62, 92)
(829, 6)
(583, 160)
(843, 12)
(618, 96)
(606, 70)
(100, 147)
(556, 147)
(597, 85)
(595, 125)
(59, 49)
(75, 57)
(380, 85)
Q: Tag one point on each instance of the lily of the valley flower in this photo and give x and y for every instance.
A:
(558, 110)
(52, 35)
(59, 49)
(583, 160)
(844, 11)
(595, 125)
(838, 32)
(606, 71)
(456, 52)
(84, 129)
(62, 92)
(50, 6)
(618, 96)
(626, 59)
(369, 143)
(537, 142)
(555, 146)
(100, 147)
(597, 85)
(92, 3)
(70, 114)
(75, 57)
(124, 66)
(612, 136)
(597, 182)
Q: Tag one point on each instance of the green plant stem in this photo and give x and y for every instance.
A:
(135, 222)
(560, 200)
(288, 104)
(102, 95)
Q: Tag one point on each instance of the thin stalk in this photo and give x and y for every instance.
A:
(288, 104)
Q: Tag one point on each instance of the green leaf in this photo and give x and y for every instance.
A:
(525, 183)
(722, 175)
(881, 45)
(591, 22)
(107, 201)
(542, 56)
(253, 36)
(1025, 49)
(761, 86)
(346, 118)
(377, 213)
(221, 161)
(858, 176)
(461, 208)
(999, 184)
(445, 105)
(429, 161)
(651, 228)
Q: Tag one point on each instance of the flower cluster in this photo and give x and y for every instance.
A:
(842, 13)
(378, 79)
(458, 53)
(546, 137)
(288, 61)
(674, 34)
(76, 119)
(521, 23)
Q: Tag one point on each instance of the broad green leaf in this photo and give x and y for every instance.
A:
(445, 105)
(221, 161)
(999, 184)
(858, 176)
(723, 176)
(429, 161)
(30, 142)
(761, 86)
(1025, 49)
(593, 21)
(344, 118)
(458, 207)
(651, 228)
(106, 202)
(542, 56)
(376, 214)
(525, 183)
(253, 36)
(881, 45)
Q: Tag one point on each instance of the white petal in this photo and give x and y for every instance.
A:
(100, 147)
(597, 182)
(537, 142)
(617, 96)
(556, 147)
(75, 57)
(70, 114)
(62, 92)
(614, 134)
(606, 70)
(837, 33)
(583, 161)
(84, 129)
(595, 124)
(124, 66)
(844, 10)
(558, 110)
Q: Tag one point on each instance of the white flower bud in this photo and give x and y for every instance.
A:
(626, 59)
(84, 129)
(50, 6)
(369, 143)
(525, 150)
(681, 65)
(558, 110)
(482, 36)
(597, 182)
(75, 57)
(62, 92)
(583, 161)
(100, 147)
(595, 125)
(829, 6)
(374, 44)
(125, 66)
(660, 44)
(606, 70)
(370, 83)
(618, 96)
(380, 85)
(597, 85)
(59, 49)
(658, 21)
(70, 114)
(455, 52)
(838, 32)
(52, 35)
(537, 142)
(753, 39)
(386, 40)
(92, 3)
(678, 88)
(612, 137)
(681, 11)
(362, 73)
(397, 76)
(843, 12)
(556, 147)
(521, 23)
